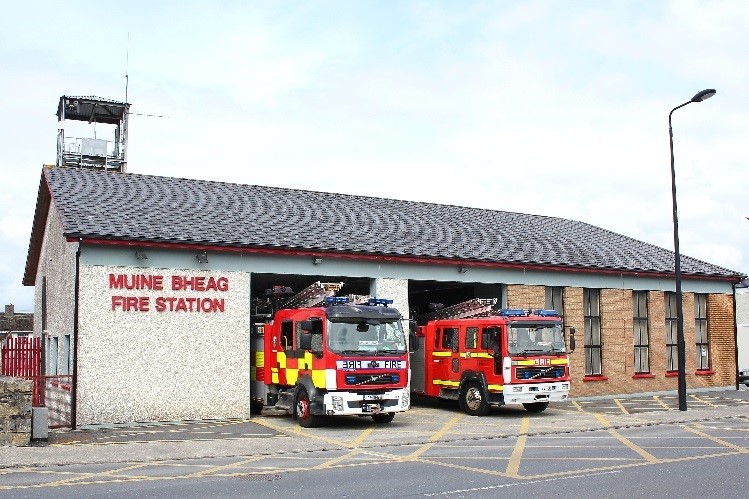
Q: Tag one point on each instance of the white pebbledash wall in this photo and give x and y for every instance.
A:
(148, 365)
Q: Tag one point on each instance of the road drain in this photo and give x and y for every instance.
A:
(259, 477)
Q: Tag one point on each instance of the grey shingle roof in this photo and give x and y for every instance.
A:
(98, 204)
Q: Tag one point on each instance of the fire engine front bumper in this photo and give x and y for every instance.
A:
(536, 392)
(351, 403)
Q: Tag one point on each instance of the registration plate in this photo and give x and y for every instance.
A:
(547, 388)
(372, 397)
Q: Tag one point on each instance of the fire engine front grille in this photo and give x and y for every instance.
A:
(540, 372)
(371, 379)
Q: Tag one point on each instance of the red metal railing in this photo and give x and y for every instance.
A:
(21, 357)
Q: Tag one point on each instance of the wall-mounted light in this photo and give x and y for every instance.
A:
(317, 261)
(462, 269)
(141, 255)
(202, 257)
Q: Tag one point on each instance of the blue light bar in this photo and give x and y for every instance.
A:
(332, 300)
(512, 312)
(379, 301)
(546, 313)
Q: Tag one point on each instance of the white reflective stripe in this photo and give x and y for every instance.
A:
(330, 379)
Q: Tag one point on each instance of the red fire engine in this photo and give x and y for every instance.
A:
(326, 355)
(481, 356)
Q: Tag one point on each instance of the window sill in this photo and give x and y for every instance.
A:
(643, 376)
(672, 374)
(595, 378)
(704, 372)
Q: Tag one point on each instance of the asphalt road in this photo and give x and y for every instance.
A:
(639, 447)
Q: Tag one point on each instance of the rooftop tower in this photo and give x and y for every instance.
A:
(93, 152)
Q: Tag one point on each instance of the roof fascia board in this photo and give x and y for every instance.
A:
(384, 258)
(36, 239)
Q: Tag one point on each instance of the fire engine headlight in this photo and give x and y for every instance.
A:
(565, 386)
(406, 400)
(337, 403)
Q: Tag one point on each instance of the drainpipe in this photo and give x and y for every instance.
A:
(74, 388)
(735, 340)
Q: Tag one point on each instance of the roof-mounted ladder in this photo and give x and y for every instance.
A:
(475, 307)
(313, 295)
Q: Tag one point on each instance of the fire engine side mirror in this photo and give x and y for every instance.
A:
(306, 325)
(572, 339)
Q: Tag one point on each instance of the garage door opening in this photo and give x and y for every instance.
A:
(426, 296)
(262, 284)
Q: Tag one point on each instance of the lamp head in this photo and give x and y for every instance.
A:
(704, 95)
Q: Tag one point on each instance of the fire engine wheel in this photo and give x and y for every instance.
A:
(536, 406)
(473, 400)
(383, 417)
(303, 416)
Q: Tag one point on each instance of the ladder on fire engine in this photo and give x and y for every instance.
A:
(313, 295)
(475, 307)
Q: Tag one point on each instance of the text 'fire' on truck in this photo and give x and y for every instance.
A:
(481, 356)
(323, 355)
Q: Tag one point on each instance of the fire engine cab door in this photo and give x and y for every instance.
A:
(445, 358)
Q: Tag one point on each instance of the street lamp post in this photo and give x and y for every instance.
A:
(680, 347)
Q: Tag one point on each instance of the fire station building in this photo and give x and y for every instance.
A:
(145, 286)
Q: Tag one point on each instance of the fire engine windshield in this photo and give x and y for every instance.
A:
(366, 338)
(535, 339)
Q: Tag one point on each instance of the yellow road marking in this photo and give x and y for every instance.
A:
(300, 431)
(695, 397)
(439, 434)
(647, 455)
(83, 476)
(334, 461)
(602, 419)
(513, 465)
(619, 404)
(578, 406)
(446, 427)
(658, 399)
(216, 469)
(366, 433)
(716, 439)
(465, 468)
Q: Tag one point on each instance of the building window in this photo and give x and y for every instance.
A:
(52, 356)
(65, 365)
(700, 332)
(641, 336)
(555, 299)
(592, 316)
(672, 352)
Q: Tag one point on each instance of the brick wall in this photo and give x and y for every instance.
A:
(15, 412)
(721, 333)
(618, 340)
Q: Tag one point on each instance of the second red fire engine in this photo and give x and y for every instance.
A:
(480, 356)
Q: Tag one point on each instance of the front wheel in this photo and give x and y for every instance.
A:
(383, 417)
(473, 400)
(303, 415)
(536, 406)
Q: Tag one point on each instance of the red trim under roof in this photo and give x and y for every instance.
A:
(384, 258)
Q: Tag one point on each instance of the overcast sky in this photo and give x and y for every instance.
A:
(556, 108)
